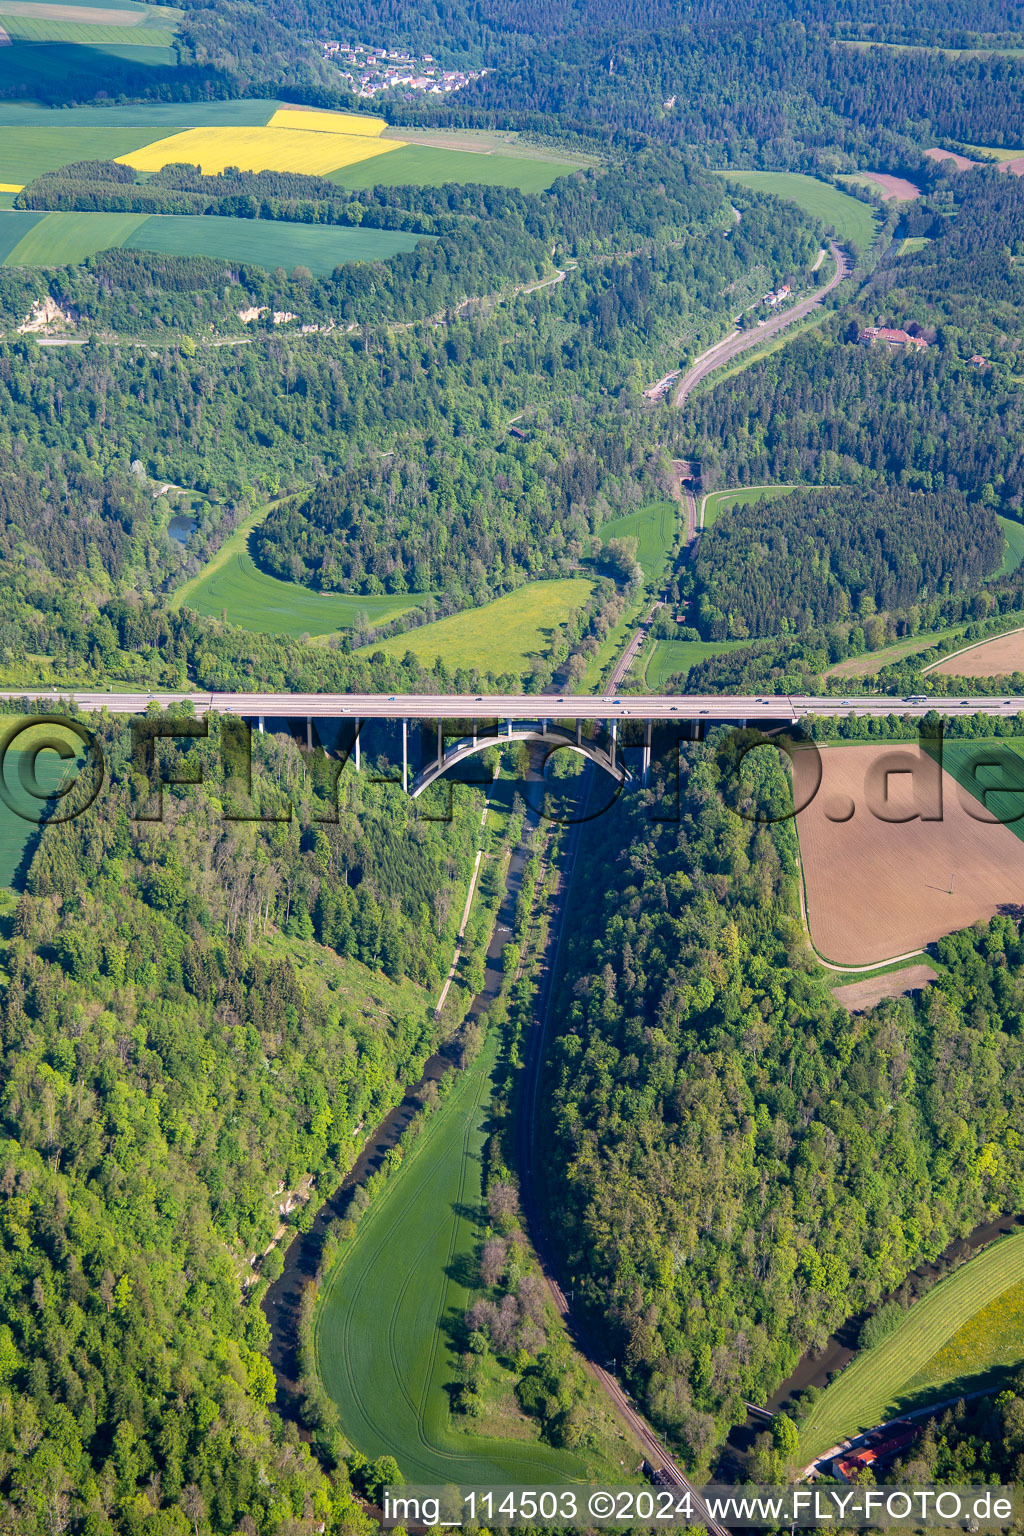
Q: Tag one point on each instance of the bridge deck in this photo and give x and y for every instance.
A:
(514, 706)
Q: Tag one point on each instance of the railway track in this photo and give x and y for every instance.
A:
(667, 1471)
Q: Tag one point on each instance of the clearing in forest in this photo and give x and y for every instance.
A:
(852, 220)
(877, 889)
(238, 591)
(500, 636)
(969, 1325)
(891, 188)
(654, 528)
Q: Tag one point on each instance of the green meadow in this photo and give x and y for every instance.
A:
(423, 165)
(969, 1325)
(233, 587)
(852, 220)
(499, 636)
(671, 656)
(389, 1315)
(654, 527)
(717, 502)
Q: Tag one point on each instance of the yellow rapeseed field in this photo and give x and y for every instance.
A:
(258, 149)
(328, 122)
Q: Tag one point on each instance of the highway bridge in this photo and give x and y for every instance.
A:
(454, 727)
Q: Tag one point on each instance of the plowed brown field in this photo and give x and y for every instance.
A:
(995, 658)
(877, 889)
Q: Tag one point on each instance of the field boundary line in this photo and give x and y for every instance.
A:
(972, 647)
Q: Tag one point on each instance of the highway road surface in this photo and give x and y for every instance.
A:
(520, 706)
(741, 341)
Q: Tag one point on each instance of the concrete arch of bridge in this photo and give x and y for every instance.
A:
(553, 737)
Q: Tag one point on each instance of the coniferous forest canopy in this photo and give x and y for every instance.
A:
(204, 1016)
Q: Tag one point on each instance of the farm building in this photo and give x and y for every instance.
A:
(874, 1452)
(890, 337)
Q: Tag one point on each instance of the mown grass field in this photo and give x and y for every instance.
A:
(302, 150)
(31, 29)
(852, 220)
(913, 243)
(671, 656)
(717, 502)
(421, 165)
(499, 636)
(382, 1325)
(244, 595)
(951, 1334)
(654, 527)
(62, 239)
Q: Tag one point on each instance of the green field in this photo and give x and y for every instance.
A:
(421, 165)
(993, 772)
(62, 239)
(926, 1357)
(1013, 533)
(852, 220)
(671, 656)
(913, 243)
(654, 527)
(155, 118)
(500, 636)
(18, 837)
(717, 502)
(31, 29)
(383, 1345)
(988, 149)
(37, 67)
(14, 227)
(27, 151)
(250, 598)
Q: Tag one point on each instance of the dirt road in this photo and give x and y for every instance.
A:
(741, 341)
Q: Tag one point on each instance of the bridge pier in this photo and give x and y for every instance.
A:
(260, 723)
(645, 762)
(405, 755)
(358, 729)
(309, 733)
(615, 739)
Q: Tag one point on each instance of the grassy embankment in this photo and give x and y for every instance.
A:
(958, 1336)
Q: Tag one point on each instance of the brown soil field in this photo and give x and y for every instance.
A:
(961, 161)
(878, 889)
(1013, 167)
(994, 658)
(894, 187)
(858, 996)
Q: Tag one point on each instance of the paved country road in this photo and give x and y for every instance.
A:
(741, 341)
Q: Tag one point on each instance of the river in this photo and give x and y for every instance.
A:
(282, 1302)
(816, 1366)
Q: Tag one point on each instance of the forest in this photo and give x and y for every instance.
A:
(176, 1054)
(729, 1144)
(797, 562)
